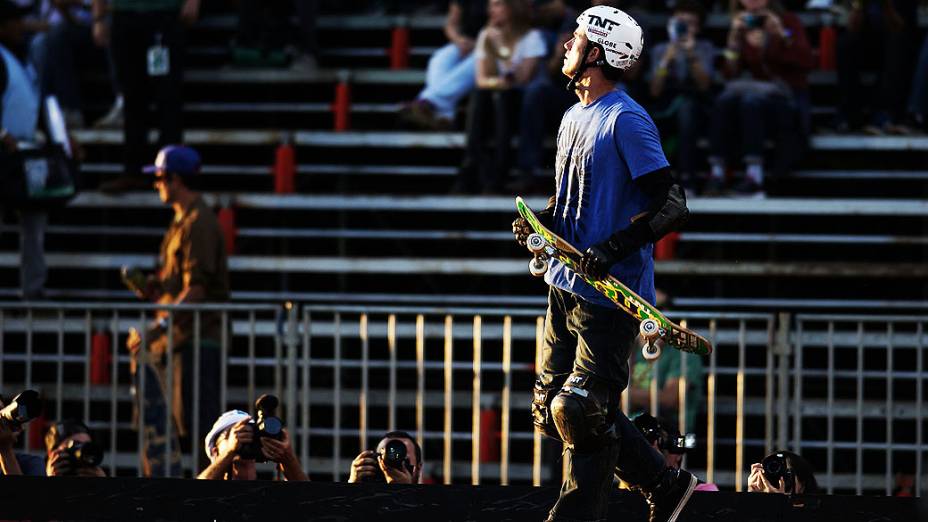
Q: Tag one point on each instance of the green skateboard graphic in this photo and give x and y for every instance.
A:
(655, 328)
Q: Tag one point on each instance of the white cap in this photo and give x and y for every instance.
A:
(619, 34)
(224, 422)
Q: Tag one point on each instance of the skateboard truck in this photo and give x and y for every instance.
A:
(651, 332)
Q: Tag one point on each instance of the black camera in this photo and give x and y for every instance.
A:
(776, 466)
(668, 438)
(394, 455)
(83, 454)
(754, 21)
(266, 424)
(24, 407)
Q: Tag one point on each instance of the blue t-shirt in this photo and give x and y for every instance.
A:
(601, 149)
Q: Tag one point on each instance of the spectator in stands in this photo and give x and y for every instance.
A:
(65, 41)
(508, 54)
(545, 98)
(228, 445)
(266, 38)
(680, 82)
(669, 371)
(782, 472)
(149, 60)
(666, 438)
(68, 444)
(370, 466)
(20, 106)
(450, 74)
(193, 269)
(767, 61)
(918, 98)
(880, 34)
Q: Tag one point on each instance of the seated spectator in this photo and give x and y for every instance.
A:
(918, 98)
(782, 472)
(545, 98)
(397, 460)
(880, 34)
(193, 268)
(450, 74)
(666, 438)
(767, 61)
(508, 53)
(72, 451)
(230, 447)
(66, 42)
(669, 371)
(679, 85)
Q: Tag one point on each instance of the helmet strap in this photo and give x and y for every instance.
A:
(572, 84)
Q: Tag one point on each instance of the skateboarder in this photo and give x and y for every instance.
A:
(614, 197)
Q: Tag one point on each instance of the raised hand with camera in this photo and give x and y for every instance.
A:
(397, 460)
(281, 452)
(72, 451)
(782, 472)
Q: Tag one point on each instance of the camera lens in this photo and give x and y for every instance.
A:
(271, 426)
(394, 454)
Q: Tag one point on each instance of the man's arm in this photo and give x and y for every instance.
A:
(218, 469)
(667, 212)
(281, 452)
(8, 462)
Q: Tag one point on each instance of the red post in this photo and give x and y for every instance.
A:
(827, 42)
(399, 48)
(37, 429)
(341, 107)
(101, 357)
(226, 217)
(284, 168)
(489, 434)
(666, 248)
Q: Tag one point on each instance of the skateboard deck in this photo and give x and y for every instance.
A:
(655, 328)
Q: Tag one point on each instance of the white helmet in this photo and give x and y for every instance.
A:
(619, 34)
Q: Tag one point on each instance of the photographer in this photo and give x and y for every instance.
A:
(21, 410)
(397, 460)
(782, 472)
(71, 451)
(666, 438)
(232, 450)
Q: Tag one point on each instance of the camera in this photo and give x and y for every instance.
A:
(677, 29)
(754, 21)
(777, 466)
(83, 454)
(22, 409)
(394, 455)
(266, 424)
(667, 437)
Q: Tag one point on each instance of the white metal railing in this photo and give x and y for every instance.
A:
(459, 379)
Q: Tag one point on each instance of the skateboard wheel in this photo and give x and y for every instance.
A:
(535, 243)
(651, 351)
(649, 329)
(537, 267)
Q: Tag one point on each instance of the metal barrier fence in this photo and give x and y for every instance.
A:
(460, 380)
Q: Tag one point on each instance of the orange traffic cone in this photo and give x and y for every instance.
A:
(399, 48)
(284, 168)
(226, 217)
(101, 358)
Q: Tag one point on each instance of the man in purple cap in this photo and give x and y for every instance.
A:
(193, 269)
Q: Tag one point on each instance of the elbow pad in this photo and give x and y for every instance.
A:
(672, 215)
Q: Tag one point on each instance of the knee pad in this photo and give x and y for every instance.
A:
(583, 412)
(541, 408)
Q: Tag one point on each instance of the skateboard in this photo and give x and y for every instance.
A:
(655, 330)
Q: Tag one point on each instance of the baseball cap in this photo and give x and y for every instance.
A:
(176, 159)
(224, 422)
